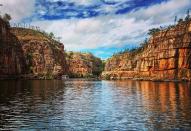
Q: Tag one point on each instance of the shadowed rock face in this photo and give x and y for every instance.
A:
(12, 61)
(30, 54)
(166, 56)
(45, 58)
(83, 65)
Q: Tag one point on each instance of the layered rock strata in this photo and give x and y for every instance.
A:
(167, 56)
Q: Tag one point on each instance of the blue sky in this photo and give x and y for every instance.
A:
(102, 27)
(67, 9)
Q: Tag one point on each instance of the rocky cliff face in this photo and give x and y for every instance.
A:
(12, 61)
(83, 65)
(166, 56)
(45, 58)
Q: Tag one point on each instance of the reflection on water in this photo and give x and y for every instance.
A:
(90, 105)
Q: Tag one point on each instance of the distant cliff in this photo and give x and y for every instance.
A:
(166, 56)
(83, 65)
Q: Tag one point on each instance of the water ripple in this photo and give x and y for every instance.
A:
(94, 105)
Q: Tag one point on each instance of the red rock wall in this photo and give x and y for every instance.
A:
(83, 65)
(44, 56)
(167, 56)
(12, 61)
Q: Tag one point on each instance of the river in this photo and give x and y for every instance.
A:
(51, 105)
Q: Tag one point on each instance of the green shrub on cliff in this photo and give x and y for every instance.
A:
(106, 77)
(6, 17)
(29, 57)
(153, 31)
(89, 75)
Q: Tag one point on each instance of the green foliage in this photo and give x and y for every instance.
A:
(70, 54)
(106, 77)
(153, 31)
(75, 75)
(187, 18)
(49, 76)
(6, 17)
(175, 19)
(89, 76)
(98, 66)
(51, 35)
(29, 62)
(180, 20)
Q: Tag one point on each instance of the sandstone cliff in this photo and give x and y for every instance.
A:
(166, 56)
(45, 57)
(12, 61)
(83, 65)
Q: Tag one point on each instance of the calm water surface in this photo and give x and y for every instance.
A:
(89, 105)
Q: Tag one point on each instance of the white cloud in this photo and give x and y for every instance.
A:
(164, 12)
(18, 9)
(114, 30)
(105, 31)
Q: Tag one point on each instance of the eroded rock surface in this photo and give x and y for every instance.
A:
(45, 57)
(83, 65)
(167, 56)
(12, 63)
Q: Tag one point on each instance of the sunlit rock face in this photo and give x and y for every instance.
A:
(83, 65)
(167, 56)
(12, 61)
(45, 57)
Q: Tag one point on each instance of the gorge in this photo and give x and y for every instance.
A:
(30, 54)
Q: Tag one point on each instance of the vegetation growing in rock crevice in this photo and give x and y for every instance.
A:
(29, 62)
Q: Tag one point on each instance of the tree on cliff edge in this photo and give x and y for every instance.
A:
(153, 31)
(6, 17)
(51, 35)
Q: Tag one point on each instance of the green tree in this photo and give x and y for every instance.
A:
(51, 35)
(175, 19)
(6, 17)
(153, 31)
(180, 20)
(187, 15)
